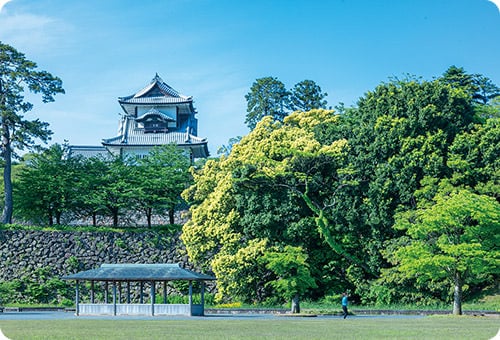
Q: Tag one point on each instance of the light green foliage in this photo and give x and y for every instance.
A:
(226, 149)
(268, 183)
(242, 273)
(293, 277)
(456, 239)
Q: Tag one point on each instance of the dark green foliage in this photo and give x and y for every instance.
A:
(306, 96)
(161, 177)
(267, 97)
(39, 287)
(405, 140)
(480, 88)
(51, 189)
(399, 134)
(45, 188)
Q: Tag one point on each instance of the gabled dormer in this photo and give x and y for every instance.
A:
(155, 121)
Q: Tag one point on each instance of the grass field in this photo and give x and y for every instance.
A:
(434, 327)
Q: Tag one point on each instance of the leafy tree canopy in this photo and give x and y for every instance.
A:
(457, 238)
(267, 97)
(307, 95)
(277, 159)
(18, 74)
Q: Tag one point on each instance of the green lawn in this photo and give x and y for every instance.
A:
(434, 327)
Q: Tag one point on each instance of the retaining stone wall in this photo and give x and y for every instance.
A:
(23, 252)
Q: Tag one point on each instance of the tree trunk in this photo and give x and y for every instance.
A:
(115, 217)
(149, 212)
(50, 218)
(295, 304)
(7, 178)
(457, 295)
(94, 219)
(171, 215)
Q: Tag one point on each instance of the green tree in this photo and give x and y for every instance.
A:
(257, 194)
(457, 77)
(161, 177)
(267, 97)
(112, 187)
(481, 88)
(17, 74)
(486, 89)
(457, 238)
(306, 96)
(45, 188)
(399, 134)
(90, 199)
(474, 159)
(293, 277)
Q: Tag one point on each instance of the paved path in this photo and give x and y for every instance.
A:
(70, 315)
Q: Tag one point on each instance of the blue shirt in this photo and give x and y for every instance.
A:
(344, 300)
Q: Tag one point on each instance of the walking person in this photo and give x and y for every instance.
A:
(344, 304)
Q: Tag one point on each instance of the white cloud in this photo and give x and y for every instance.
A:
(3, 3)
(497, 3)
(33, 33)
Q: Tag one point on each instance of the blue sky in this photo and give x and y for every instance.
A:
(214, 50)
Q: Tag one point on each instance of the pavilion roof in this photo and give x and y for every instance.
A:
(139, 272)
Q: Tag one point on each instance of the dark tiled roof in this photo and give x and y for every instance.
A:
(141, 138)
(157, 92)
(86, 151)
(138, 272)
(153, 100)
(155, 112)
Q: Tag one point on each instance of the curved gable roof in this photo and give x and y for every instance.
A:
(155, 113)
(156, 92)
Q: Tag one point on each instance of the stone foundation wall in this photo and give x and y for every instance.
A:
(23, 252)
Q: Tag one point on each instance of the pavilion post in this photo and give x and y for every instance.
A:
(141, 293)
(91, 291)
(106, 296)
(128, 291)
(77, 298)
(190, 298)
(202, 297)
(165, 292)
(114, 297)
(153, 297)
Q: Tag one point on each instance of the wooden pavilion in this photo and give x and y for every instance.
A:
(141, 274)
